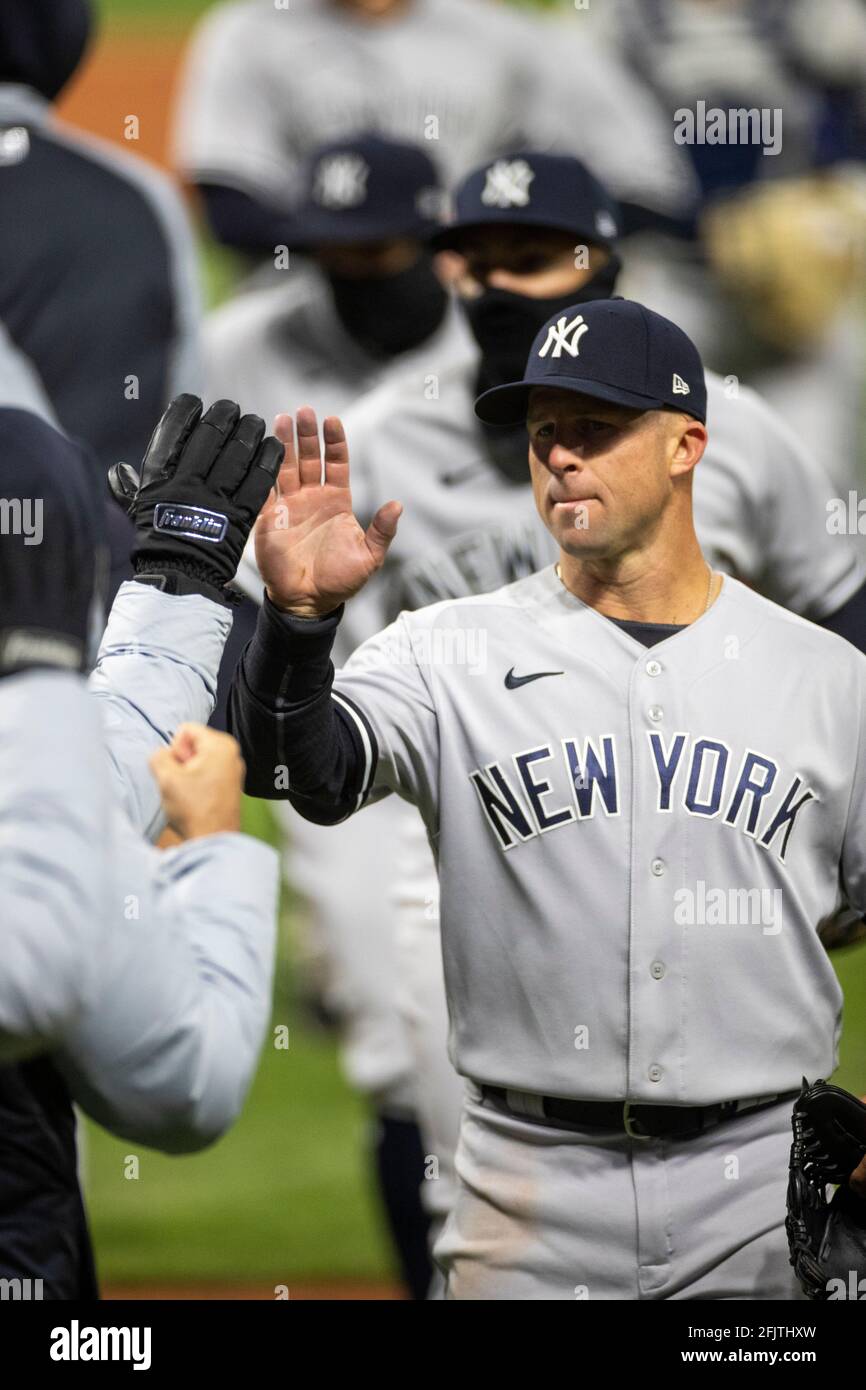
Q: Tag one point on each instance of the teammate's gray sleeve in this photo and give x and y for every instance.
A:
(157, 668)
(232, 107)
(20, 383)
(761, 509)
(590, 104)
(54, 807)
(166, 1055)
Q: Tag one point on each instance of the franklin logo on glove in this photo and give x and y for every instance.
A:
(191, 521)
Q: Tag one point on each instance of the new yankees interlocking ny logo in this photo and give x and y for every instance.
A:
(564, 335)
(341, 181)
(14, 145)
(507, 184)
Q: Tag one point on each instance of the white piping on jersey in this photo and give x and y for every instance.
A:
(367, 745)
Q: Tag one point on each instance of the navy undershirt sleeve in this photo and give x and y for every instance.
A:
(298, 744)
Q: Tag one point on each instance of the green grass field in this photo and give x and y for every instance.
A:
(285, 1197)
(180, 13)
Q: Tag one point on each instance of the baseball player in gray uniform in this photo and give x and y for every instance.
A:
(155, 1003)
(54, 790)
(643, 801)
(803, 82)
(466, 78)
(469, 526)
(454, 75)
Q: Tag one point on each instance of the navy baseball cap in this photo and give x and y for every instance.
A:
(533, 190)
(368, 188)
(614, 349)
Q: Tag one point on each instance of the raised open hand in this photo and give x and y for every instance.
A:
(311, 552)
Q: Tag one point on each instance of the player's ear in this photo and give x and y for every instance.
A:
(689, 442)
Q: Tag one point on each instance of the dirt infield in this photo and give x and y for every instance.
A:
(300, 1293)
(128, 75)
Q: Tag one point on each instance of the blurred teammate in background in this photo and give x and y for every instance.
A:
(266, 85)
(768, 278)
(95, 251)
(375, 304)
(140, 981)
(466, 78)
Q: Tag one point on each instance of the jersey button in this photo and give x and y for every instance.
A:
(655, 713)
(658, 867)
(653, 668)
(655, 1072)
(657, 969)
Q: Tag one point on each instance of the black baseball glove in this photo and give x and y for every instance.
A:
(203, 482)
(826, 1240)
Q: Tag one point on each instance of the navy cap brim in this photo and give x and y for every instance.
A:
(451, 238)
(507, 405)
(313, 230)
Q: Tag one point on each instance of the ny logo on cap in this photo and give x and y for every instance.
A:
(341, 181)
(507, 184)
(564, 335)
(604, 224)
(680, 387)
(14, 145)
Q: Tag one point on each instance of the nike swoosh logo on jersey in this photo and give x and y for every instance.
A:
(513, 682)
(461, 475)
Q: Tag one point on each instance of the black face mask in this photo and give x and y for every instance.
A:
(504, 326)
(392, 313)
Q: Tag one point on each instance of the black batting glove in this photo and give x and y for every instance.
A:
(203, 482)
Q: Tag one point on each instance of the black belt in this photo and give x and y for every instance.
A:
(626, 1117)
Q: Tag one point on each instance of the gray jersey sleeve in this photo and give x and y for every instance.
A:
(384, 689)
(761, 509)
(54, 805)
(232, 106)
(167, 1054)
(20, 383)
(157, 668)
(590, 104)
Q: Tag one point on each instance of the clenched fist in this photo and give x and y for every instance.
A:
(200, 778)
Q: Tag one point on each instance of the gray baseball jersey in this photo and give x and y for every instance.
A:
(635, 847)
(264, 86)
(279, 348)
